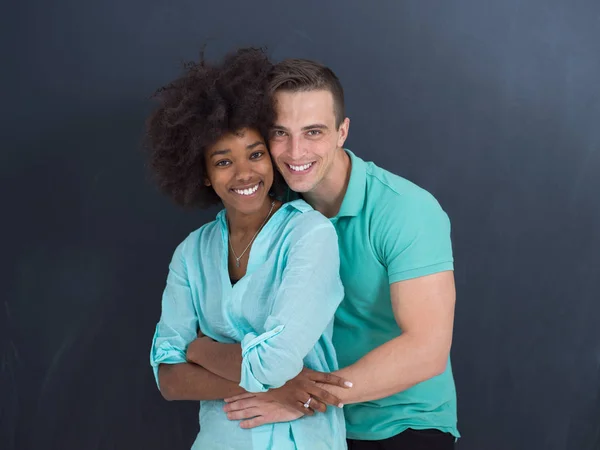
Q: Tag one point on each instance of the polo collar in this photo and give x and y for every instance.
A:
(354, 198)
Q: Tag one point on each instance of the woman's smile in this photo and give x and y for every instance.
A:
(248, 191)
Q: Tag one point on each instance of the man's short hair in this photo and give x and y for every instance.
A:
(302, 75)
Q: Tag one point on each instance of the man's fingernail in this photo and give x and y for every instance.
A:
(348, 383)
(341, 405)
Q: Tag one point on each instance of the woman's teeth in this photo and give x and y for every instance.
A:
(248, 191)
(300, 168)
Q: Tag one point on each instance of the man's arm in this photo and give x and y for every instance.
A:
(191, 382)
(424, 310)
(225, 360)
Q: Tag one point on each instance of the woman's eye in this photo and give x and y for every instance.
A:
(256, 155)
(222, 163)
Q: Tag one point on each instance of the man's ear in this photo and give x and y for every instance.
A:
(343, 132)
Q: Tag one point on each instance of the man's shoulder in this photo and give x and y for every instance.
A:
(386, 190)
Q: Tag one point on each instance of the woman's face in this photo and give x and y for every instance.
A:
(239, 169)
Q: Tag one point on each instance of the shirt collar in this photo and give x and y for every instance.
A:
(354, 199)
(293, 203)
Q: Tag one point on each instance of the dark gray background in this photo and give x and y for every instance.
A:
(492, 106)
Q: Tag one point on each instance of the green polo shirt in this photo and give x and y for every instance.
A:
(389, 230)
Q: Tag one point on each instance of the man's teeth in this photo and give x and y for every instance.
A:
(248, 191)
(300, 168)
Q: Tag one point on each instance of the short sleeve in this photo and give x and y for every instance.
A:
(413, 237)
(178, 324)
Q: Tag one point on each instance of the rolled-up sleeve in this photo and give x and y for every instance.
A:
(178, 323)
(304, 306)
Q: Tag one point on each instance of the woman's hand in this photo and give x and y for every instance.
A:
(259, 410)
(294, 394)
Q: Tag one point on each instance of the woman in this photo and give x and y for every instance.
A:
(263, 273)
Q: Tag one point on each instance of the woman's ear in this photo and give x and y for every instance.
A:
(207, 182)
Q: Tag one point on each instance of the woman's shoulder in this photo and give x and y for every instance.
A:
(201, 237)
(307, 232)
(299, 219)
(300, 213)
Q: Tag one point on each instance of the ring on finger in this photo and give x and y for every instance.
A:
(307, 404)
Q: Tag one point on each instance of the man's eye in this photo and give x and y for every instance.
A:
(278, 133)
(314, 132)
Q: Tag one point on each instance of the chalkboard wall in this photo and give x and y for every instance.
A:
(494, 107)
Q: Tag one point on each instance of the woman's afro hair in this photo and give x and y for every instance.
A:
(205, 103)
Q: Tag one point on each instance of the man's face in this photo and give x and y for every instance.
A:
(304, 139)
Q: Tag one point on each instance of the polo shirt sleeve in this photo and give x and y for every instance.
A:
(304, 306)
(178, 324)
(414, 236)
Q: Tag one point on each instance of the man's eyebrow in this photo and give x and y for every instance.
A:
(315, 126)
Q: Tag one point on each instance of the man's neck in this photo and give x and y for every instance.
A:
(328, 196)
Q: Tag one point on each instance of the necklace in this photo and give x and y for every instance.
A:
(237, 258)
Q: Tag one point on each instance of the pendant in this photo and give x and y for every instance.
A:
(237, 263)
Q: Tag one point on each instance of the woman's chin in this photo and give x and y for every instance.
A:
(247, 206)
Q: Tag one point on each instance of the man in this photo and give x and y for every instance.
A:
(393, 331)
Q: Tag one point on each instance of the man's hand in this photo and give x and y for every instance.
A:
(258, 409)
(295, 393)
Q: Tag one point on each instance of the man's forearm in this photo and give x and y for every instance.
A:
(188, 381)
(390, 368)
(224, 360)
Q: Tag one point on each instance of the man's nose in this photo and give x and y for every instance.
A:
(296, 149)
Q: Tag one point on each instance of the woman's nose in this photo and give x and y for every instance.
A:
(243, 172)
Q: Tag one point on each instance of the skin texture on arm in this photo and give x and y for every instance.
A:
(224, 360)
(187, 381)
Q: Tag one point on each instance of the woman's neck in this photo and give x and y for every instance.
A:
(242, 224)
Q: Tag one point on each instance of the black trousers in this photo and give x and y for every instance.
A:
(408, 440)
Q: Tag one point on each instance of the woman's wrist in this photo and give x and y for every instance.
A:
(194, 351)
